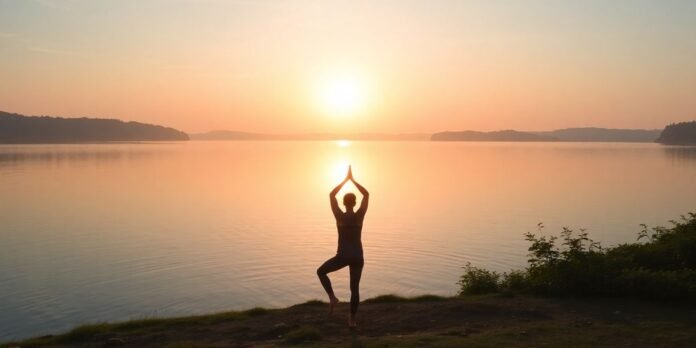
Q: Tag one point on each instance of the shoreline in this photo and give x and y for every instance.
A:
(391, 321)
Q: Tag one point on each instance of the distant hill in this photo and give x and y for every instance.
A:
(567, 134)
(236, 135)
(504, 135)
(18, 129)
(683, 133)
(225, 135)
(604, 135)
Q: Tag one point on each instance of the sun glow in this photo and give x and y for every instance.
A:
(343, 94)
(337, 171)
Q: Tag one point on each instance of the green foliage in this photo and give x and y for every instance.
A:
(515, 281)
(659, 285)
(660, 265)
(477, 281)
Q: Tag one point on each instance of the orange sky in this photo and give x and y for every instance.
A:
(422, 66)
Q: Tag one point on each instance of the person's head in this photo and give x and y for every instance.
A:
(349, 200)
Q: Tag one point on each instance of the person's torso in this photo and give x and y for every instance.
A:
(349, 233)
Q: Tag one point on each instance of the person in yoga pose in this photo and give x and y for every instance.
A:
(350, 252)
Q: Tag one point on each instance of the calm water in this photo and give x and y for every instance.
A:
(118, 231)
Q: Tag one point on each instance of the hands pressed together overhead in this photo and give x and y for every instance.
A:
(349, 177)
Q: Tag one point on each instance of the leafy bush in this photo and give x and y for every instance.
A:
(476, 281)
(659, 285)
(515, 281)
(660, 265)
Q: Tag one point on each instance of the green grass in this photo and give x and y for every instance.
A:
(302, 335)
(87, 332)
(83, 333)
(309, 304)
(395, 298)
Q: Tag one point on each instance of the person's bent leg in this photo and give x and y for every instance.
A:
(331, 265)
(355, 274)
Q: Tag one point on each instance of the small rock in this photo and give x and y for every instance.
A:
(523, 333)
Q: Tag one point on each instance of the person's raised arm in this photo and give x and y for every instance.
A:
(363, 191)
(332, 196)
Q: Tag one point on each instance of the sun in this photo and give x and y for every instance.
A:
(342, 94)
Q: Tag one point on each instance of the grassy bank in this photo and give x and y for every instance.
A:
(392, 321)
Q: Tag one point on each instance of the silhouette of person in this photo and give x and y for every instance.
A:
(349, 253)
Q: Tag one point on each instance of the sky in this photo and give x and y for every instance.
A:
(384, 66)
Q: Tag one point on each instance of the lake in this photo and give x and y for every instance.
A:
(110, 232)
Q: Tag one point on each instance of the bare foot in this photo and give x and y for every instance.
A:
(351, 322)
(333, 301)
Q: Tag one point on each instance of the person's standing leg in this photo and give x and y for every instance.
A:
(331, 265)
(355, 274)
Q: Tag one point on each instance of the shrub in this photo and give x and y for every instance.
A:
(515, 281)
(659, 285)
(660, 265)
(476, 281)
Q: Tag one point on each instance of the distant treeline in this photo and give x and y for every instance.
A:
(504, 135)
(16, 128)
(589, 134)
(567, 134)
(20, 129)
(679, 134)
(236, 135)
